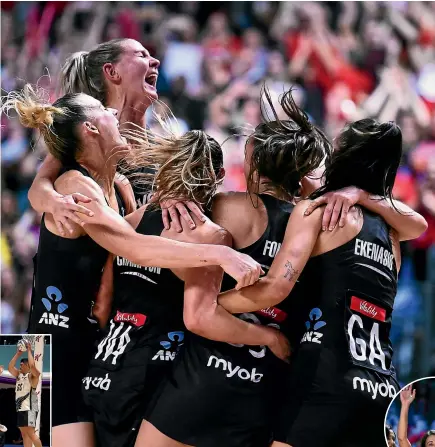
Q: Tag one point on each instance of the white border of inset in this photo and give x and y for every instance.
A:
(394, 398)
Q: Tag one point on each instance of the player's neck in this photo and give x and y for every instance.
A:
(100, 167)
(265, 188)
(129, 111)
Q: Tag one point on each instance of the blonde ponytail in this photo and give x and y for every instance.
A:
(73, 77)
(57, 122)
(32, 108)
(82, 72)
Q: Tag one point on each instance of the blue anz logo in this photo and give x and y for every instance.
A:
(175, 342)
(313, 325)
(53, 301)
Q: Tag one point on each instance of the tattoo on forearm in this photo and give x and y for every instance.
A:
(290, 273)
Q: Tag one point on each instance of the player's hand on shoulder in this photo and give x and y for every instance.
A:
(173, 209)
(74, 189)
(338, 204)
(63, 209)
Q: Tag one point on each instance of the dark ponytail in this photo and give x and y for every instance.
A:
(286, 150)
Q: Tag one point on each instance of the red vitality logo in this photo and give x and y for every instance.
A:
(368, 309)
(137, 320)
(274, 314)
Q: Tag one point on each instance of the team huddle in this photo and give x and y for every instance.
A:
(211, 319)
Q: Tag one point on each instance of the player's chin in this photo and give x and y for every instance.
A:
(151, 93)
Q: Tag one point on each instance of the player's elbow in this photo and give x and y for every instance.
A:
(274, 292)
(192, 321)
(403, 440)
(421, 226)
(198, 321)
(414, 231)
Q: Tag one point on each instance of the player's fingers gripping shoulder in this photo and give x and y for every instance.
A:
(316, 214)
(75, 182)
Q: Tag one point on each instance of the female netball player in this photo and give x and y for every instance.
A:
(122, 75)
(3, 428)
(223, 388)
(407, 396)
(342, 373)
(84, 136)
(26, 399)
(146, 327)
(390, 436)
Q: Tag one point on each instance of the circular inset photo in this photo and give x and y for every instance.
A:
(410, 418)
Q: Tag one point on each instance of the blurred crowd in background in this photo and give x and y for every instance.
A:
(421, 413)
(347, 60)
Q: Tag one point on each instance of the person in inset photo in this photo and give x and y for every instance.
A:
(390, 435)
(26, 399)
(3, 429)
(413, 417)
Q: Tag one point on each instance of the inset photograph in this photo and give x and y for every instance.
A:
(410, 419)
(25, 390)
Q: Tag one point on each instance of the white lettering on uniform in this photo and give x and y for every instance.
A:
(123, 262)
(114, 343)
(383, 389)
(166, 356)
(243, 374)
(312, 337)
(374, 344)
(356, 341)
(374, 252)
(374, 339)
(54, 320)
(271, 248)
(97, 382)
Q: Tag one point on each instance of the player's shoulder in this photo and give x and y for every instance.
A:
(210, 232)
(227, 201)
(74, 181)
(235, 211)
(300, 208)
(217, 234)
